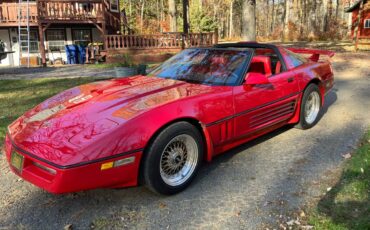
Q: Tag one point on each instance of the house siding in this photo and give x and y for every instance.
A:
(363, 32)
(9, 35)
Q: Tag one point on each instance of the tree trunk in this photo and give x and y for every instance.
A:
(267, 29)
(249, 20)
(272, 24)
(158, 15)
(185, 8)
(231, 24)
(326, 16)
(172, 13)
(285, 20)
(142, 15)
(162, 15)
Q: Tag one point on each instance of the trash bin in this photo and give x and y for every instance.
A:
(81, 54)
(72, 54)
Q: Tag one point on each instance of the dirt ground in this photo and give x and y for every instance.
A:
(256, 185)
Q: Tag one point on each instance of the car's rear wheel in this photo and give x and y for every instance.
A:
(173, 158)
(310, 107)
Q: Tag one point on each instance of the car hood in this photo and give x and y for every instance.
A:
(61, 128)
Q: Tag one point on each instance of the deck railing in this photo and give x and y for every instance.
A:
(75, 10)
(59, 10)
(9, 13)
(160, 41)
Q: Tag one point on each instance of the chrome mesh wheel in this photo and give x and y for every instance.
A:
(312, 107)
(179, 160)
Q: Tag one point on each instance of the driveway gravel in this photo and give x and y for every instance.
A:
(252, 186)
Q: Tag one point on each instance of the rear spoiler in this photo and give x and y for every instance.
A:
(315, 53)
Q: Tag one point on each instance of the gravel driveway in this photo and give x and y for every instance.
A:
(248, 187)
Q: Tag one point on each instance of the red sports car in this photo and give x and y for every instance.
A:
(157, 129)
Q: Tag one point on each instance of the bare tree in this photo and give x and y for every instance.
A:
(272, 17)
(249, 20)
(172, 13)
(285, 19)
(231, 19)
(142, 15)
(185, 10)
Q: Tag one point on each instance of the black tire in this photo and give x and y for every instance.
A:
(151, 168)
(303, 123)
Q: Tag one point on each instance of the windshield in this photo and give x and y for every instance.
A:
(205, 66)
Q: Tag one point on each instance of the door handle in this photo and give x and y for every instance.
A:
(291, 79)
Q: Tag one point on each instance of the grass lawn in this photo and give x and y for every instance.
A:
(17, 96)
(347, 204)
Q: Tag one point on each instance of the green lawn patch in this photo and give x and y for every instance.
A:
(18, 96)
(347, 204)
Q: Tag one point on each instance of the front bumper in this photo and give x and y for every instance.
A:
(85, 177)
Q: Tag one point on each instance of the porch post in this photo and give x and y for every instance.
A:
(41, 35)
(103, 26)
(104, 32)
(42, 45)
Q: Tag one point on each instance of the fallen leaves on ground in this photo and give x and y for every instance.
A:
(347, 155)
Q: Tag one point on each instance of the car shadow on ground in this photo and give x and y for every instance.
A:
(40, 205)
(330, 98)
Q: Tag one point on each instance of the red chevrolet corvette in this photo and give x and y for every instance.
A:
(157, 129)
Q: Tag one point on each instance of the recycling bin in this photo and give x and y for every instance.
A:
(72, 54)
(81, 54)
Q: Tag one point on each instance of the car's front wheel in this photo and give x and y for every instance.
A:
(172, 160)
(310, 107)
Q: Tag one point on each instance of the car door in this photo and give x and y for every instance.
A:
(259, 107)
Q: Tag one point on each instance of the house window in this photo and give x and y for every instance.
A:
(56, 39)
(34, 42)
(114, 6)
(81, 36)
(367, 23)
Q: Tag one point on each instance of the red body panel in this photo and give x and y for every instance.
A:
(77, 131)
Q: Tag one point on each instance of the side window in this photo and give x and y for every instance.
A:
(114, 6)
(295, 59)
(266, 61)
(367, 23)
(56, 39)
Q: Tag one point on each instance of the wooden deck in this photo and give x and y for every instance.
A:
(59, 12)
(9, 14)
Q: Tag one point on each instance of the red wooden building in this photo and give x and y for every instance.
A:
(360, 31)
